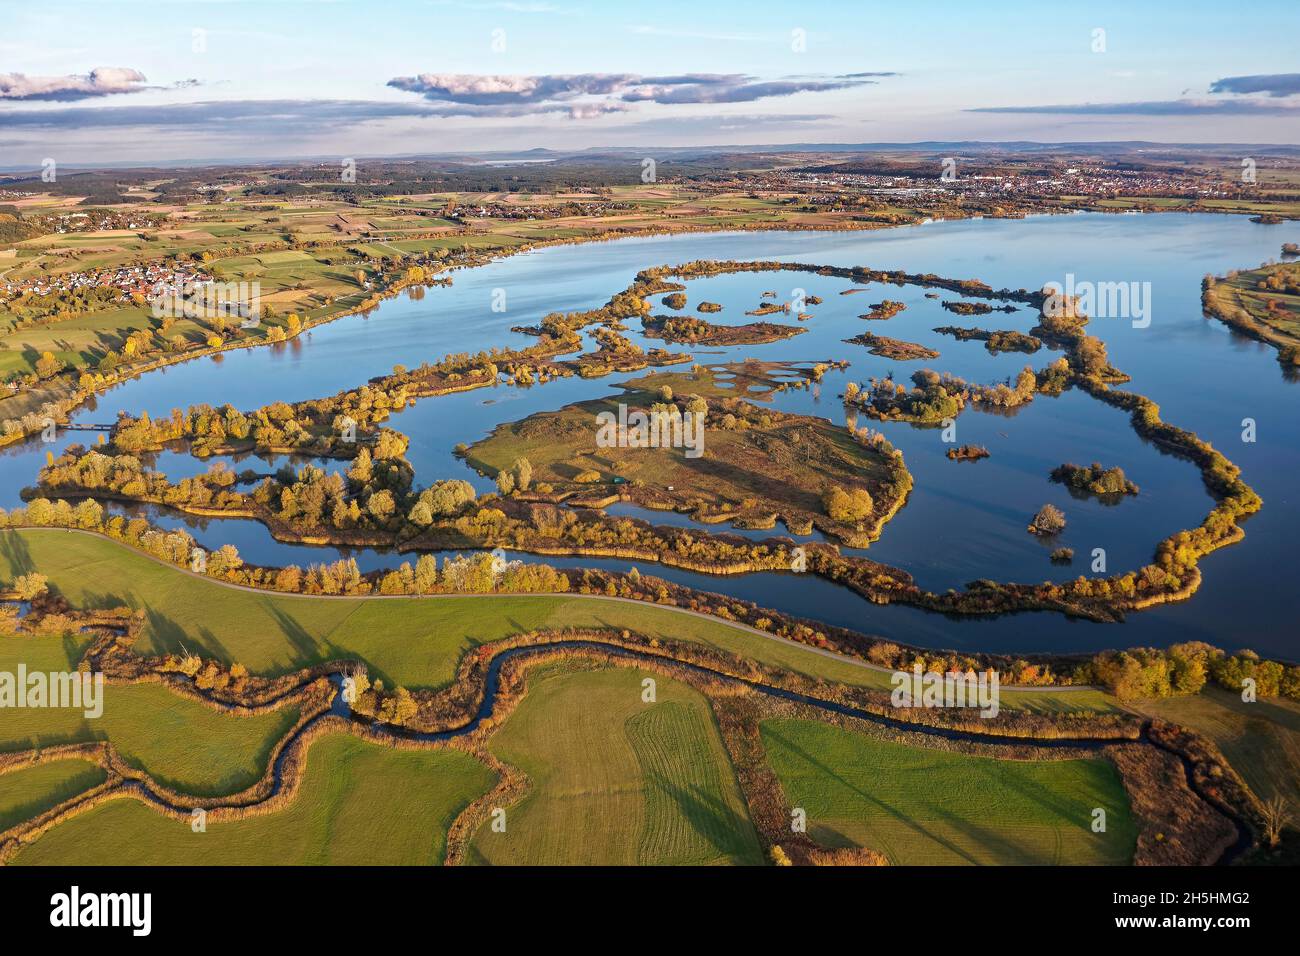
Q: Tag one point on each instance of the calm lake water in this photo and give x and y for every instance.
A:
(963, 520)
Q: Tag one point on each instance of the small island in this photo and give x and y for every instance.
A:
(884, 310)
(1050, 520)
(968, 453)
(688, 329)
(1094, 480)
(996, 341)
(893, 348)
(974, 308)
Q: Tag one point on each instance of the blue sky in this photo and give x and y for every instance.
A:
(282, 78)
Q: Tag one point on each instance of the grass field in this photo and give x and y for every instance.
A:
(181, 743)
(359, 804)
(32, 790)
(1281, 326)
(930, 807)
(412, 642)
(1261, 740)
(312, 281)
(617, 781)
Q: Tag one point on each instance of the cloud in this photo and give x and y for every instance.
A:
(583, 95)
(1274, 84)
(101, 81)
(731, 92)
(1234, 107)
(489, 90)
(272, 118)
(260, 116)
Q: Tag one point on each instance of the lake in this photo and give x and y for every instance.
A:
(963, 520)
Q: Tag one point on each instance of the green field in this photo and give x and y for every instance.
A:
(359, 804)
(1240, 300)
(32, 790)
(617, 781)
(181, 743)
(413, 642)
(931, 807)
(1261, 741)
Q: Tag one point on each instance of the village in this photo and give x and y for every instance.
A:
(143, 281)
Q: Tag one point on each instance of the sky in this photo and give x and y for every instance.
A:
(139, 81)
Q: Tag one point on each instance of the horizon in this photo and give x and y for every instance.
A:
(703, 150)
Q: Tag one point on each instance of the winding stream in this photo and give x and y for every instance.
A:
(491, 688)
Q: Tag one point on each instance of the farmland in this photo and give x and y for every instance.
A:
(179, 742)
(630, 782)
(1261, 740)
(924, 807)
(333, 821)
(27, 792)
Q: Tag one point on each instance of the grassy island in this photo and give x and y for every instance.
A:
(757, 465)
(1263, 303)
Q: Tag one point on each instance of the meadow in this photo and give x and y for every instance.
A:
(932, 807)
(25, 793)
(413, 642)
(627, 782)
(179, 742)
(1260, 740)
(359, 804)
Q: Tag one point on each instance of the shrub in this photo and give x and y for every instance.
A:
(852, 505)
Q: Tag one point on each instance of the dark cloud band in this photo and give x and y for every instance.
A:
(1274, 84)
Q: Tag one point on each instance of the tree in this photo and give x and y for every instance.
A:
(1189, 666)
(47, 365)
(224, 560)
(426, 574)
(361, 472)
(40, 512)
(381, 505)
(30, 586)
(1049, 520)
(850, 506)
(420, 516)
(90, 514)
(446, 498)
(523, 472)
